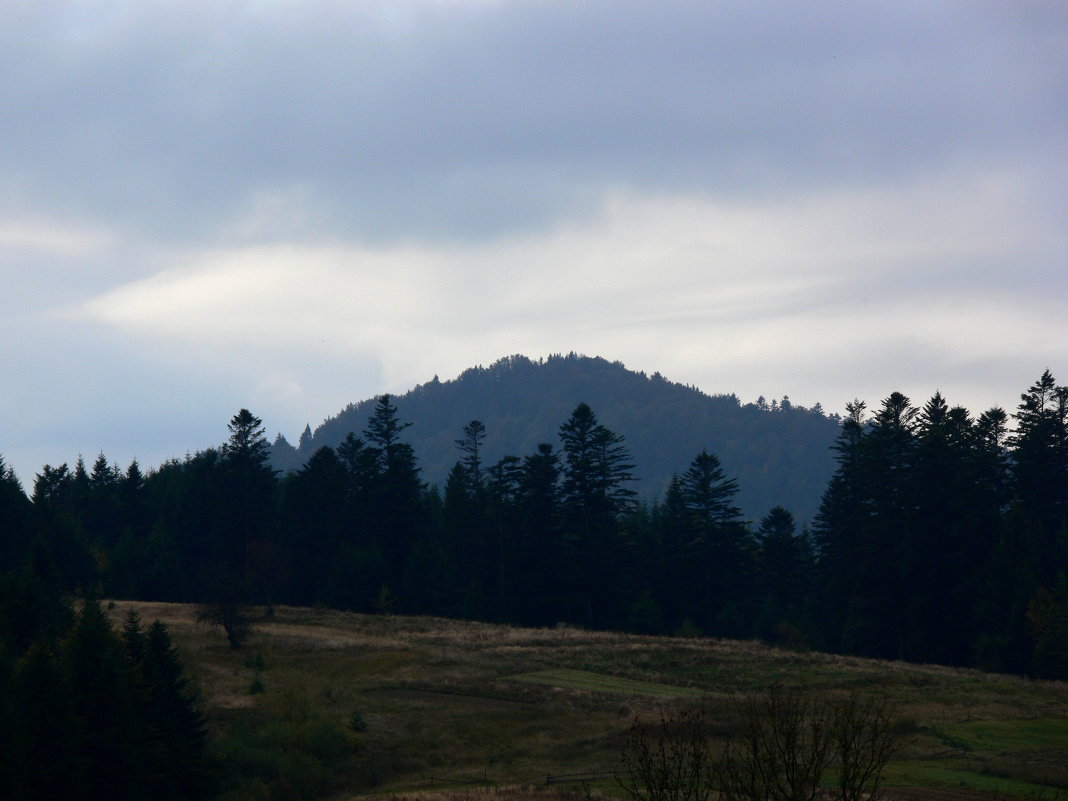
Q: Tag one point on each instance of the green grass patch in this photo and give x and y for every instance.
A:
(569, 679)
(937, 774)
(1002, 735)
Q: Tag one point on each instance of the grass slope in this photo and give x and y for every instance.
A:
(424, 704)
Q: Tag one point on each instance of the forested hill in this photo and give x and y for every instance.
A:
(779, 453)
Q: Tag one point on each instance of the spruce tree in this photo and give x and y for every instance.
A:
(595, 495)
(395, 492)
(718, 548)
(540, 544)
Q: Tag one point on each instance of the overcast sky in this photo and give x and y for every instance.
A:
(290, 206)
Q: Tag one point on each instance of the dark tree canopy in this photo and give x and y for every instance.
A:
(942, 536)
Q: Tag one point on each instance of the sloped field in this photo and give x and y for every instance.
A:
(421, 705)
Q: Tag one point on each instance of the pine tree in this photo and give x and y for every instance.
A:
(879, 623)
(540, 544)
(176, 730)
(315, 520)
(718, 547)
(1040, 473)
(597, 469)
(113, 738)
(15, 517)
(840, 529)
(595, 495)
(471, 445)
(250, 494)
(45, 760)
(784, 568)
(395, 495)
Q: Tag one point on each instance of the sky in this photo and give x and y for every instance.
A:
(291, 206)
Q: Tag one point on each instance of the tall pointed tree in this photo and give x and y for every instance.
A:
(784, 570)
(248, 509)
(471, 447)
(540, 543)
(719, 548)
(595, 495)
(878, 626)
(395, 497)
(840, 530)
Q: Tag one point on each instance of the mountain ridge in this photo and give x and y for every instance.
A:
(779, 453)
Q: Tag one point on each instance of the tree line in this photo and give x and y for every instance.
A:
(941, 537)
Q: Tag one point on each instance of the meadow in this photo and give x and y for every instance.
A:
(335, 704)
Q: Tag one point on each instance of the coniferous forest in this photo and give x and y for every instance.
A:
(941, 537)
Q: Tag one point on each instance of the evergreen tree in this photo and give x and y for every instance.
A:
(675, 577)
(597, 470)
(540, 546)
(113, 736)
(707, 495)
(60, 550)
(502, 516)
(316, 520)
(471, 446)
(46, 736)
(466, 533)
(304, 444)
(840, 529)
(1034, 539)
(784, 568)
(953, 530)
(718, 548)
(877, 624)
(1040, 474)
(177, 732)
(594, 497)
(395, 497)
(250, 487)
(16, 517)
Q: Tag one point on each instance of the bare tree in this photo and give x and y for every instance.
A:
(787, 742)
(671, 761)
(783, 751)
(864, 741)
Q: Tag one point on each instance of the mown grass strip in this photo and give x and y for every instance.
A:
(570, 679)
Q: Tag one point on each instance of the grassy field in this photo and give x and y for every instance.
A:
(358, 704)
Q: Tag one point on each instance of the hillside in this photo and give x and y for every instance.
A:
(351, 704)
(779, 455)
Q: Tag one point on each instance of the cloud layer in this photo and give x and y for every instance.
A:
(291, 206)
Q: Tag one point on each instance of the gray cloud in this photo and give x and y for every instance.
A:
(290, 206)
(173, 117)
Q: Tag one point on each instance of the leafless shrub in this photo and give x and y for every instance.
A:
(864, 740)
(783, 751)
(786, 741)
(671, 761)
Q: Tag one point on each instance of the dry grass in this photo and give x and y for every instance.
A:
(515, 793)
(449, 700)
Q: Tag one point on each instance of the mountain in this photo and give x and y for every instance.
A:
(780, 454)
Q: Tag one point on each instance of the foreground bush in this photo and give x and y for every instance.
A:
(786, 742)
